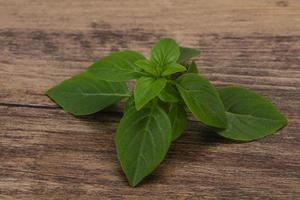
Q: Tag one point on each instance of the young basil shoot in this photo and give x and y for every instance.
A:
(167, 85)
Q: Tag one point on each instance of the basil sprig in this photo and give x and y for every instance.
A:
(168, 85)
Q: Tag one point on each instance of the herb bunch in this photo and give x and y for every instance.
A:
(168, 84)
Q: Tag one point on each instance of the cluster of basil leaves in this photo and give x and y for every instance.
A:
(155, 114)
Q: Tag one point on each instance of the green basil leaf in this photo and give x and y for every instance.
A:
(193, 68)
(85, 94)
(164, 52)
(187, 53)
(172, 69)
(142, 141)
(147, 66)
(169, 94)
(146, 89)
(178, 119)
(202, 99)
(250, 115)
(118, 66)
(129, 103)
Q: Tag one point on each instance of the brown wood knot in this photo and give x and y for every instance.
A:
(282, 3)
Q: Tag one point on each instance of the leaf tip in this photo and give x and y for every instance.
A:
(138, 106)
(48, 92)
(133, 183)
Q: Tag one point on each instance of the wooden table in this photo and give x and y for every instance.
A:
(46, 153)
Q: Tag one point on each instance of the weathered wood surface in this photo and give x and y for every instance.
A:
(46, 153)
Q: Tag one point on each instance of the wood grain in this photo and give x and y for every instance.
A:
(46, 153)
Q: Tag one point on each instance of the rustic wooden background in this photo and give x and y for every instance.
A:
(46, 153)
